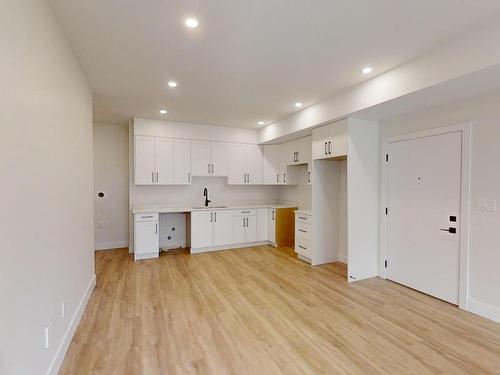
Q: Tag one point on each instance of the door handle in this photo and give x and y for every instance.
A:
(450, 230)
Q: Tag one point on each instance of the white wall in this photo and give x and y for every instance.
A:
(484, 249)
(191, 195)
(46, 221)
(111, 178)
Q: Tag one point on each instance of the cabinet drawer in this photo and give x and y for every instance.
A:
(303, 231)
(303, 247)
(248, 212)
(301, 218)
(147, 217)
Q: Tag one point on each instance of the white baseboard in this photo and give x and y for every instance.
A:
(343, 258)
(70, 332)
(228, 247)
(110, 245)
(484, 310)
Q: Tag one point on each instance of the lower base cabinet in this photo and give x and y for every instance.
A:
(146, 237)
(211, 228)
(303, 235)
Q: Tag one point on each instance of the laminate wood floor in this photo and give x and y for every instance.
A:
(262, 311)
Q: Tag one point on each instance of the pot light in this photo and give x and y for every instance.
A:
(192, 23)
(261, 123)
(367, 70)
(172, 84)
(163, 111)
(298, 104)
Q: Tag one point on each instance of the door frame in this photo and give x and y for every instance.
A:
(466, 130)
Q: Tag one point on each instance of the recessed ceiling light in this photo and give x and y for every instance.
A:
(298, 104)
(163, 111)
(261, 122)
(172, 84)
(191, 23)
(367, 70)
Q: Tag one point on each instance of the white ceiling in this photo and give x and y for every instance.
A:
(248, 60)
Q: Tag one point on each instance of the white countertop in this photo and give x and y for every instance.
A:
(160, 208)
(304, 212)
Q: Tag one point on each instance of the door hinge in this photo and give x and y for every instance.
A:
(385, 264)
(386, 157)
(386, 211)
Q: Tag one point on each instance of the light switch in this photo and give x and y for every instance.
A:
(486, 205)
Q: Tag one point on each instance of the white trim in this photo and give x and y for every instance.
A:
(229, 247)
(466, 130)
(70, 332)
(484, 310)
(110, 245)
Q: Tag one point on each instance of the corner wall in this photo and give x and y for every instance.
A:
(46, 221)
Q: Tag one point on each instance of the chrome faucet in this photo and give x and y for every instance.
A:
(205, 194)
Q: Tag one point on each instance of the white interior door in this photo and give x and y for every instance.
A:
(164, 160)
(423, 194)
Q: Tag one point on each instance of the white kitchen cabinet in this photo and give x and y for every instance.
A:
(182, 161)
(153, 160)
(144, 160)
(270, 164)
(245, 226)
(164, 161)
(303, 235)
(146, 238)
(262, 224)
(202, 234)
(245, 164)
(330, 141)
(298, 151)
(272, 225)
(287, 176)
(223, 227)
(209, 158)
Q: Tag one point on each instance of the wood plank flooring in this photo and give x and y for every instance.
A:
(262, 311)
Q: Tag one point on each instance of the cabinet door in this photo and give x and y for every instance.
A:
(223, 227)
(338, 132)
(251, 229)
(304, 150)
(201, 229)
(239, 227)
(200, 158)
(164, 161)
(262, 224)
(182, 161)
(272, 225)
(284, 156)
(146, 239)
(253, 162)
(270, 164)
(144, 160)
(219, 159)
(320, 138)
(237, 171)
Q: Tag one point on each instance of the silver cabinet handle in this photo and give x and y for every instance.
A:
(157, 177)
(302, 230)
(208, 167)
(212, 168)
(245, 212)
(244, 178)
(277, 178)
(243, 222)
(284, 178)
(189, 177)
(211, 217)
(329, 147)
(302, 218)
(215, 216)
(273, 214)
(156, 228)
(326, 145)
(147, 217)
(248, 178)
(152, 177)
(302, 247)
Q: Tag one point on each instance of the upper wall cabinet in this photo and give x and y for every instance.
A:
(155, 163)
(153, 160)
(245, 164)
(271, 164)
(209, 158)
(298, 151)
(330, 141)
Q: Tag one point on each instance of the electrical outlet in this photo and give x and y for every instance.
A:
(486, 205)
(101, 224)
(63, 309)
(47, 341)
